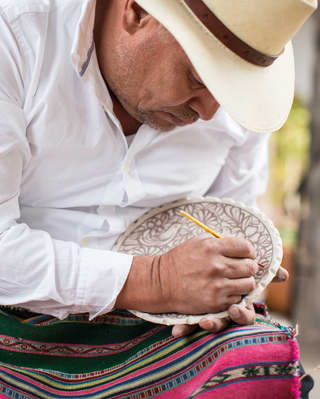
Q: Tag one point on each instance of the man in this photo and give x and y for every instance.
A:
(78, 79)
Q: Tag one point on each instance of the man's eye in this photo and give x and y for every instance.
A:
(196, 81)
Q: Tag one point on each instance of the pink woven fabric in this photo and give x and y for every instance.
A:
(120, 356)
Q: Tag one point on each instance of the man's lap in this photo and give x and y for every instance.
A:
(119, 355)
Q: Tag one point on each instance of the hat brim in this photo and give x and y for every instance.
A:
(258, 98)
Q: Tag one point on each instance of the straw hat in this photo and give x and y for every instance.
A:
(241, 50)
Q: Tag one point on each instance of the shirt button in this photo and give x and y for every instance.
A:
(126, 168)
(84, 241)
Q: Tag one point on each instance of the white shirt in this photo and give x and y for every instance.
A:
(69, 184)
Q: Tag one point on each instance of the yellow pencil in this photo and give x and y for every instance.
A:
(206, 228)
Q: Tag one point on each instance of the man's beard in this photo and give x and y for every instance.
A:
(149, 118)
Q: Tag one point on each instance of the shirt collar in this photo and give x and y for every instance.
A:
(84, 58)
(83, 44)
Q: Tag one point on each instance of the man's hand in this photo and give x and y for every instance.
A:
(206, 275)
(239, 314)
(201, 275)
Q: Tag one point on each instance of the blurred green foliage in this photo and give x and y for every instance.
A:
(289, 159)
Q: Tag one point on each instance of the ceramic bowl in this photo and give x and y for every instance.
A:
(163, 228)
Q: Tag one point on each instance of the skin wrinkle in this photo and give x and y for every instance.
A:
(162, 270)
(155, 273)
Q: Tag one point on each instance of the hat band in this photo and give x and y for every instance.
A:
(228, 38)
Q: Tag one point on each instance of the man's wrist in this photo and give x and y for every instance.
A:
(145, 287)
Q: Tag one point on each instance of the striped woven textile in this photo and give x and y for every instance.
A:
(121, 356)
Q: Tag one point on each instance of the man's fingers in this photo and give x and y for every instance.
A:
(214, 325)
(239, 268)
(233, 299)
(241, 286)
(180, 330)
(237, 247)
(242, 315)
(281, 276)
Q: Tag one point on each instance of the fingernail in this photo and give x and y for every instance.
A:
(281, 275)
(260, 267)
(177, 331)
(209, 324)
(234, 312)
(256, 268)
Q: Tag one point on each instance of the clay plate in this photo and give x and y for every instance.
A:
(163, 228)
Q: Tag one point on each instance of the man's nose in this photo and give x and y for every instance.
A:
(204, 104)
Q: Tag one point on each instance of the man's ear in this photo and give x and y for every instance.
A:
(134, 17)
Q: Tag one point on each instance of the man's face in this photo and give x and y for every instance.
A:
(156, 84)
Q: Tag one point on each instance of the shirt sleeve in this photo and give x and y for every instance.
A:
(37, 272)
(244, 176)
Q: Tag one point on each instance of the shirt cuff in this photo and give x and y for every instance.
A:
(102, 276)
